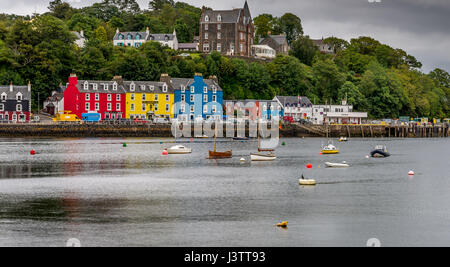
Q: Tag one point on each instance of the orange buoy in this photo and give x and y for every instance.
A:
(309, 166)
(32, 152)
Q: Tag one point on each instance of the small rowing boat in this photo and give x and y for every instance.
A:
(262, 157)
(337, 165)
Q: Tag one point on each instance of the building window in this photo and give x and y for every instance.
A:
(156, 97)
(219, 47)
(14, 117)
(183, 98)
(206, 27)
(132, 97)
(192, 98)
(2, 107)
(156, 108)
(97, 97)
(115, 86)
(206, 47)
(108, 106)
(219, 35)
(97, 106)
(205, 89)
(19, 108)
(214, 109)
(95, 86)
(183, 88)
(206, 18)
(118, 97)
(205, 109)
(219, 27)
(105, 87)
(192, 89)
(108, 97)
(144, 97)
(164, 88)
(167, 107)
(118, 106)
(152, 88)
(219, 18)
(183, 108)
(214, 98)
(87, 106)
(144, 108)
(214, 89)
(86, 86)
(192, 108)
(132, 87)
(205, 98)
(167, 98)
(142, 87)
(88, 97)
(132, 107)
(19, 97)
(206, 35)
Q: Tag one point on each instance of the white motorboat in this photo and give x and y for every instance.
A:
(262, 157)
(337, 165)
(179, 149)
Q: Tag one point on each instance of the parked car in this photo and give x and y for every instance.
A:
(288, 119)
(160, 120)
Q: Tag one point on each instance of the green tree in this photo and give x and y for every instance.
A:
(292, 26)
(304, 49)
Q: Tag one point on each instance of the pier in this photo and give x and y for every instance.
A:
(164, 130)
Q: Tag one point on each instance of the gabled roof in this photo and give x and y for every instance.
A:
(4, 89)
(143, 35)
(150, 87)
(290, 101)
(161, 37)
(228, 16)
(56, 97)
(90, 89)
(178, 82)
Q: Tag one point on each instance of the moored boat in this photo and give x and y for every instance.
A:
(305, 181)
(219, 155)
(343, 139)
(380, 152)
(179, 149)
(337, 165)
(329, 149)
(262, 157)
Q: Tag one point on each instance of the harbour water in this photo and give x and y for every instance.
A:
(104, 194)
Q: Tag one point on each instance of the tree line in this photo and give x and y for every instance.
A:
(372, 76)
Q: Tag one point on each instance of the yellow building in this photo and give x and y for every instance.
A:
(149, 100)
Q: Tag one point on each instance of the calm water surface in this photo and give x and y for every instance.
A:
(103, 194)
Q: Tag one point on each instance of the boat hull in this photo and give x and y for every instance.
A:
(186, 151)
(262, 157)
(336, 165)
(307, 182)
(220, 155)
(330, 151)
(379, 154)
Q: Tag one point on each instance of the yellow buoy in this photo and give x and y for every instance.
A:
(282, 224)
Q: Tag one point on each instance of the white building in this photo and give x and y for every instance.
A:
(137, 39)
(54, 103)
(335, 114)
(296, 107)
(263, 51)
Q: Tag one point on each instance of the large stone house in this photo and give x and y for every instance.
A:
(277, 42)
(137, 39)
(323, 47)
(229, 32)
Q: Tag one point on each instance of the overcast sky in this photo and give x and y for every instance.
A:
(421, 27)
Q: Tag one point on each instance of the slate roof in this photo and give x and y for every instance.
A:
(16, 89)
(177, 82)
(228, 16)
(56, 97)
(294, 101)
(187, 46)
(143, 35)
(279, 39)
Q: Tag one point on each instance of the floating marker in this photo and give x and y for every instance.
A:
(309, 166)
(283, 144)
(242, 160)
(411, 173)
(282, 224)
(124, 144)
(32, 152)
(367, 157)
(165, 153)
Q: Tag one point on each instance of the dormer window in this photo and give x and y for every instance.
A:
(19, 97)
(120, 37)
(4, 97)
(142, 87)
(214, 89)
(129, 37)
(86, 86)
(205, 89)
(152, 88)
(219, 18)
(207, 18)
(132, 87)
(164, 88)
(95, 86)
(138, 37)
(183, 88)
(115, 86)
(105, 87)
(192, 89)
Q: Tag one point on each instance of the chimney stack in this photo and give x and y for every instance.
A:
(214, 78)
(118, 79)
(11, 86)
(73, 80)
(29, 86)
(165, 78)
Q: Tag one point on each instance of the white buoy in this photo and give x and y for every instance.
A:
(242, 160)
(411, 173)
(367, 156)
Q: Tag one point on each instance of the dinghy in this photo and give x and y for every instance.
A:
(380, 152)
(337, 165)
(179, 149)
(262, 157)
(304, 181)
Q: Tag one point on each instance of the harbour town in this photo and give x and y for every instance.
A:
(173, 125)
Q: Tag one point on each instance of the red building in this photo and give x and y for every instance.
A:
(105, 97)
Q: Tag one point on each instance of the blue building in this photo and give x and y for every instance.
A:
(197, 98)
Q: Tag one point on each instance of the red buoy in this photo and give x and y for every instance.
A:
(309, 166)
(165, 153)
(32, 152)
